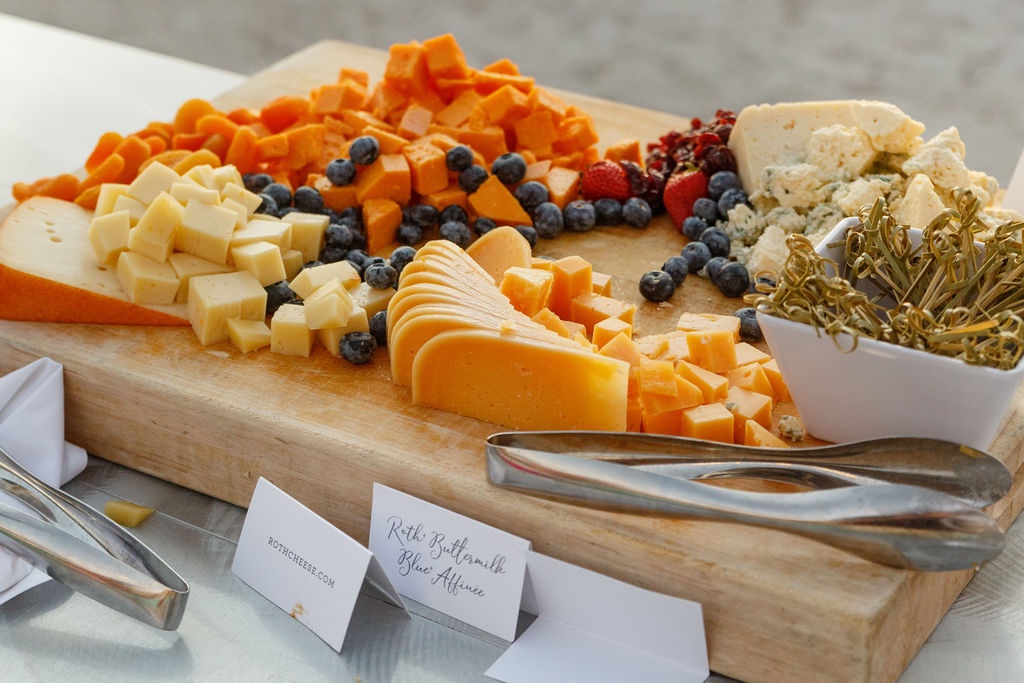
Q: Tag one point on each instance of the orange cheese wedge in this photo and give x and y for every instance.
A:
(49, 273)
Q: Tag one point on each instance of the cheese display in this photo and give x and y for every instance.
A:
(807, 165)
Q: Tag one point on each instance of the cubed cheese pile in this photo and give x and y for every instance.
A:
(194, 238)
(541, 344)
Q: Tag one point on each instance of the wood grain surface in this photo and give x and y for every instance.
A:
(777, 607)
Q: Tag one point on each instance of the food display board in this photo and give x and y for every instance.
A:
(776, 606)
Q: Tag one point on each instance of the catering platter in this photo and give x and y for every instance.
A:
(777, 607)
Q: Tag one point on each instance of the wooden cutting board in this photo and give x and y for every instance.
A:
(777, 607)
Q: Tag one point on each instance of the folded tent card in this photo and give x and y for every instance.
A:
(32, 432)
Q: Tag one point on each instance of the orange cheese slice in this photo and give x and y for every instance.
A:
(49, 273)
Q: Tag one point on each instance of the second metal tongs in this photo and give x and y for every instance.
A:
(85, 550)
(903, 502)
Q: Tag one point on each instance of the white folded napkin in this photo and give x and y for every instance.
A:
(32, 432)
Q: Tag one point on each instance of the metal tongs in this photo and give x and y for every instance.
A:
(911, 503)
(86, 551)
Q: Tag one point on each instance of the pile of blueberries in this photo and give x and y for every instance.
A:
(707, 252)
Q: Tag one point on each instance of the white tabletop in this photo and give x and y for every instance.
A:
(62, 91)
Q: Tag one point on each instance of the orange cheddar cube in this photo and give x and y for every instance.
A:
(748, 353)
(390, 142)
(748, 405)
(621, 346)
(657, 377)
(572, 278)
(715, 387)
(493, 200)
(761, 437)
(552, 322)
(386, 178)
(535, 131)
(537, 170)
(414, 122)
(589, 309)
(381, 218)
(779, 388)
(406, 69)
(445, 58)
(713, 349)
(709, 421)
(488, 141)
(427, 168)
(451, 195)
(505, 105)
(563, 185)
(627, 149)
(601, 283)
(752, 377)
(605, 330)
(694, 322)
(336, 197)
(457, 111)
(527, 288)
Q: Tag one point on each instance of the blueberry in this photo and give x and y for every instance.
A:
(733, 280)
(677, 267)
(696, 255)
(657, 286)
(579, 216)
(706, 208)
(331, 254)
(548, 220)
(401, 257)
(453, 212)
(717, 241)
(714, 266)
(267, 206)
(636, 212)
(358, 239)
(352, 215)
(509, 167)
(732, 197)
(750, 330)
(379, 328)
(607, 211)
(338, 235)
(341, 172)
(308, 199)
(357, 347)
(364, 150)
(693, 226)
(531, 194)
(280, 193)
(720, 182)
(458, 158)
(530, 233)
(380, 275)
(472, 177)
(409, 233)
(457, 232)
(255, 182)
(358, 258)
(483, 225)
(278, 293)
(423, 215)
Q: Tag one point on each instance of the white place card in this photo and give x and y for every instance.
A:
(593, 628)
(305, 565)
(449, 562)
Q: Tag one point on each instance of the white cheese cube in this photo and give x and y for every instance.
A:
(108, 235)
(227, 174)
(206, 231)
(330, 337)
(329, 306)
(312, 278)
(109, 192)
(151, 181)
(134, 207)
(146, 281)
(371, 299)
(161, 219)
(186, 266)
(288, 331)
(241, 213)
(293, 262)
(203, 174)
(188, 189)
(307, 233)
(214, 299)
(264, 230)
(158, 251)
(248, 335)
(262, 259)
(236, 191)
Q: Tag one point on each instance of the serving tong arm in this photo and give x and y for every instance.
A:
(85, 550)
(895, 524)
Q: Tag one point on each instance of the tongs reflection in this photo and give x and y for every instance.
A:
(904, 502)
(86, 551)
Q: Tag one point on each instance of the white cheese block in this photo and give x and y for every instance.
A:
(146, 281)
(186, 266)
(151, 181)
(214, 299)
(330, 337)
(312, 278)
(329, 306)
(262, 259)
(307, 233)
(778, 134)
(48, 239)
(108, 235)
(289, 333)
(206, 231)
(248, 335)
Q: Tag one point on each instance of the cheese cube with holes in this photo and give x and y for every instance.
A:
(206, 231)
(214, 299)
(187, 266)
(289, 334)
(262, 259)
(146, 281)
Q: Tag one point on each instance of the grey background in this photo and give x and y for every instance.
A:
(945, 62)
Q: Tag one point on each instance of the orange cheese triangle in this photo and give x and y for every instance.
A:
(49, 273)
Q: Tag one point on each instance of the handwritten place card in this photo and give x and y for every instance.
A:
(446, 561)
(593, 628)
(305, 565)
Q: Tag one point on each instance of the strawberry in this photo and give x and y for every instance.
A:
(682, 189)
(605, 179)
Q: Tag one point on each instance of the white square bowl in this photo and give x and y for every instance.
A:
(881, 389)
